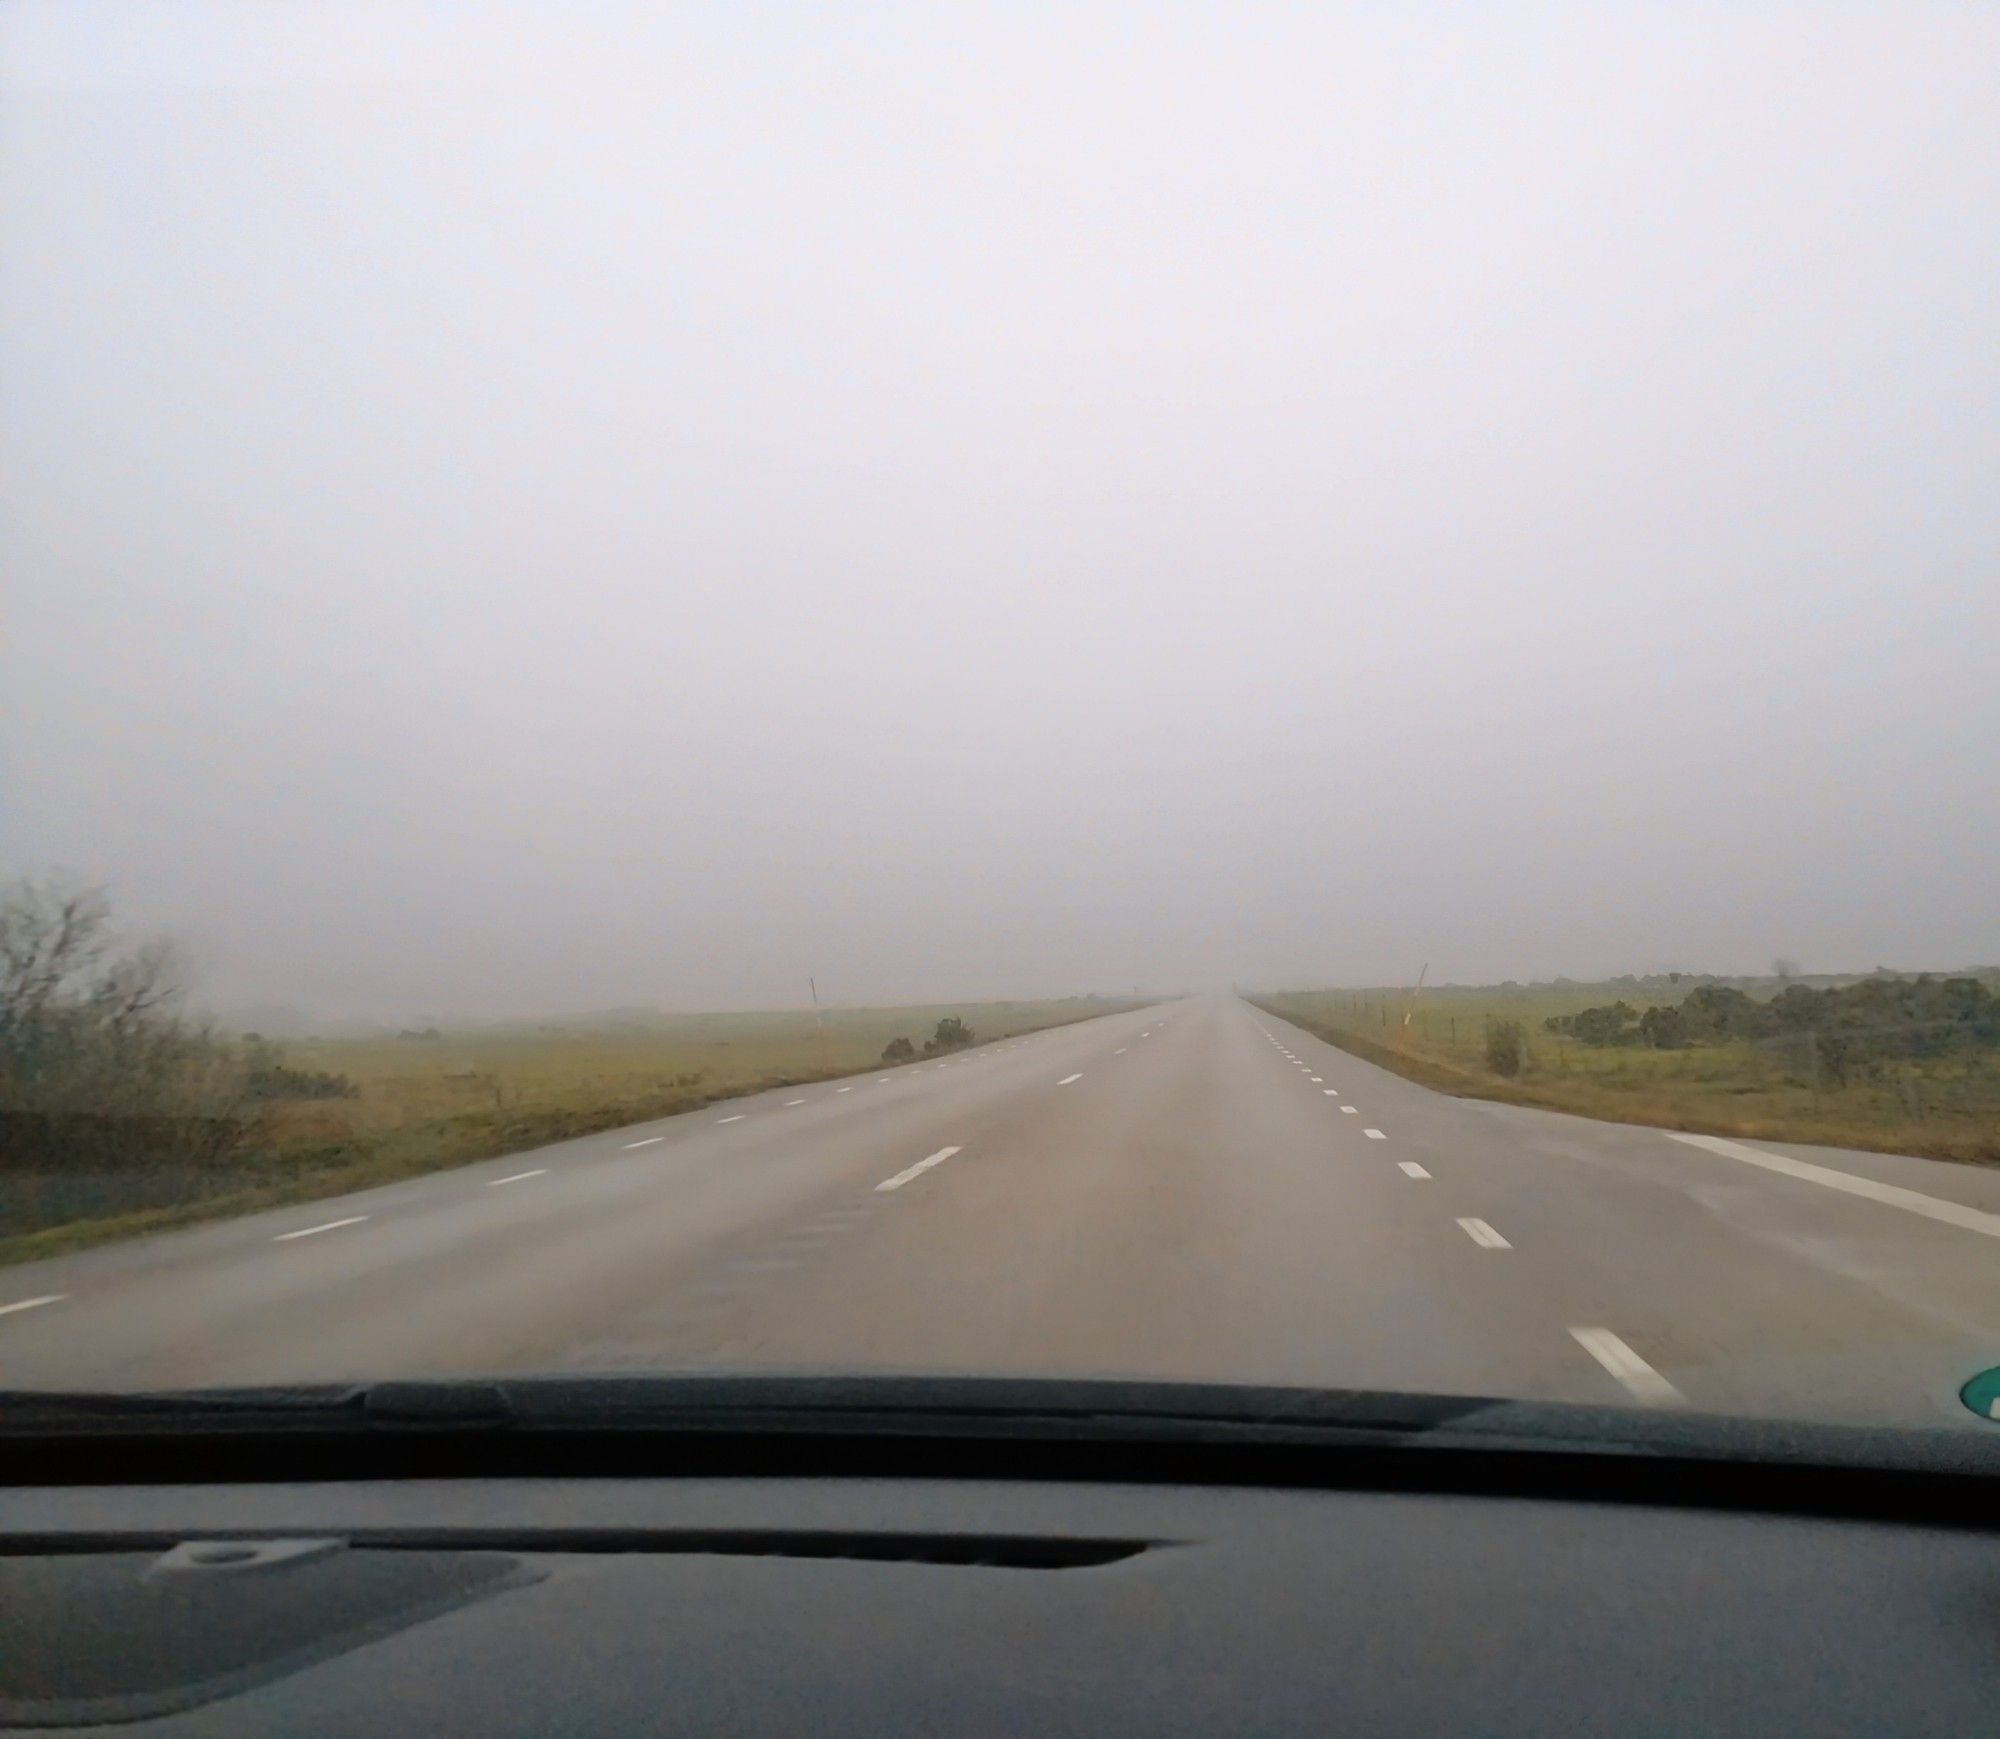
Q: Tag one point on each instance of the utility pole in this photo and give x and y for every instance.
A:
(1412, 1009)
(819, 1026)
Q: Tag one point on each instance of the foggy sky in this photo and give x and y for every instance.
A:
(521, 508)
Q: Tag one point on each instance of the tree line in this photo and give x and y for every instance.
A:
(1871, 1020)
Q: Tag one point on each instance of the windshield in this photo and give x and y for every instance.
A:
(1264, 695)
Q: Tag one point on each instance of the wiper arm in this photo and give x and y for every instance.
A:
(761, 1404)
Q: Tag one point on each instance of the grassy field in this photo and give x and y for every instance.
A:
(428, 1102)
(1946, 1108)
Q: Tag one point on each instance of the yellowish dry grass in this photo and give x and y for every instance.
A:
(1945, 1109)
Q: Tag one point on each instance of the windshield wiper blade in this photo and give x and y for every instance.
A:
(663, 1414)
(916, 1399)
(29, 1409)
(759, 1403)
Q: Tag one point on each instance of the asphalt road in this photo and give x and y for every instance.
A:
(1192, 1190)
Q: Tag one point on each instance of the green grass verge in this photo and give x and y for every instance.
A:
(1950, 1110)
(540, 1086)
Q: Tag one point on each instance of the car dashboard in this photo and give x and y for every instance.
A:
(635, 1605)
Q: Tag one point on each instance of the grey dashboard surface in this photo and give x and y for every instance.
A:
(886, 1607)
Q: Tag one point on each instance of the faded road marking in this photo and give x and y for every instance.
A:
(1483, 1235)
(312, 1231)
(917, 1170)
(1644, 1383)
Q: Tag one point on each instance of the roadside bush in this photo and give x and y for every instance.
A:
(952, 1035)
(1506, 1047)
(1664, 1027)
(898, 1050)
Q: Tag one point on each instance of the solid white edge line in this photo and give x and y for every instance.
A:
(648, 1142)
(1640, 1379)
(1065, 1081)
(309, 1231)
(493, 1183)
(32, 1303)
(917, 1170)
(1483, 1235)
(1410, 1168)
(1888, 1194)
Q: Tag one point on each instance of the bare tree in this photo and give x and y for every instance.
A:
(98, 1066)
(52, 932)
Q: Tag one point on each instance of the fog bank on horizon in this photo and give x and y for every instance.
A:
(562, 506)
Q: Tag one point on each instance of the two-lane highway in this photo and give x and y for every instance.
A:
(1193, 1190)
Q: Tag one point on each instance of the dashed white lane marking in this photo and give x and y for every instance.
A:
(1333, 1092)
(917, 1170)
(32, 1303)
(1317, 1079)
(1065, 1081)
(1119, 1052)
(1410, 1168)
(881, 1080)
(1889, 1194)
(1483, 1235)
(850, 1089)
(1644, 1383)
(314, 1231)
(1374, 1135)
(648, 1142)
(493, 1183)
(1350, 1110)
(794, 1102)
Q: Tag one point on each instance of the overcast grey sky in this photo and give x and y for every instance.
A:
(528, 507)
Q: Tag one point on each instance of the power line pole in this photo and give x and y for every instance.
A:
(819, 1026)
(1412, 1009)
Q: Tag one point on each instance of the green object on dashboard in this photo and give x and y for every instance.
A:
(1982, 1394)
